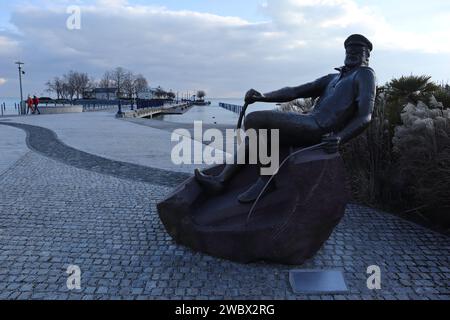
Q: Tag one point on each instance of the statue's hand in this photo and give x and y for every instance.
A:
(252, 96)
(333, 143)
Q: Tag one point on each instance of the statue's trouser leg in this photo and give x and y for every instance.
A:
(295, 130)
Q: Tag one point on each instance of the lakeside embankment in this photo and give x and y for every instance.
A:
(210, 114)
(150, 112)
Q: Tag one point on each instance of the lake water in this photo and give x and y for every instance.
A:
(9, 103)
(213, 113)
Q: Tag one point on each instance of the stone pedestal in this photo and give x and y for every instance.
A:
(288, 226)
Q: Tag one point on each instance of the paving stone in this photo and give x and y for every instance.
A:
(53, 215)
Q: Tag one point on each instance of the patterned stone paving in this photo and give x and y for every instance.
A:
(55, 213)
(45, 141)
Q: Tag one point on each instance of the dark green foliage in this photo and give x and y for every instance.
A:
(442, 94)
(405, 167)
(403, 90)
(368, 158)
(410, 87)
(422, 162)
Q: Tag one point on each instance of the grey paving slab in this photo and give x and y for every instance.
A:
(100, 133)
(225, 144)
(12, 146)
(46, 142)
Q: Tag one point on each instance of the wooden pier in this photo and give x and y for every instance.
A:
(152, 111)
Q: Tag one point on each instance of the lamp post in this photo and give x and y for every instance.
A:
(119, 112)
(19, 64)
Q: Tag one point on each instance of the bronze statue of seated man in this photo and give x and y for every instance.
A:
(343, 110)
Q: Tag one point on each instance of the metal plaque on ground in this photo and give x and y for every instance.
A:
(317, 281)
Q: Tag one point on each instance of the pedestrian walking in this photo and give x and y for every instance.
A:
(30, 105)
(36, 104)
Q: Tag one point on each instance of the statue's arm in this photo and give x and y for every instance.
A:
(308, 90)
(366, 91)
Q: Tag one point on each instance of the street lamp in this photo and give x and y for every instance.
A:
(119, 112)
(19, 64)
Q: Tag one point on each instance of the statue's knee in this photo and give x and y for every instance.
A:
(254, 120)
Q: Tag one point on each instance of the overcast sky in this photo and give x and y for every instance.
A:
(222, 46)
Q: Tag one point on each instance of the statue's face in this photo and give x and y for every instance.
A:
(356, 56)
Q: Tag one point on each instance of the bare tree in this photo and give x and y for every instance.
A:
(106, 81)
(69, 81)
(56, 86)
(66, 91)
(72, 84)
(140, 84)
(201, 94)
(75, 84)
(128, 84)
(118, 77)
(81, 83)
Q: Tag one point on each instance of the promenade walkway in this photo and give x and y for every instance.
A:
(100, 133)
(12, 146)
(84, 193)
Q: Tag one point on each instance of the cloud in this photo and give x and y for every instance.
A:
(7, 45)
(2, 81)
(187, 50)
(175, 49)
(330, 21)
(112, 3)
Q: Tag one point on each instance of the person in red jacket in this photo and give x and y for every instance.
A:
(30, 104)
(36, 103)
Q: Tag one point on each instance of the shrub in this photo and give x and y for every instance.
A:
(368, 158)
(403, 90)
(421, 147)
(401, 162)
(442, 95)
(300, 105)
(409, 173)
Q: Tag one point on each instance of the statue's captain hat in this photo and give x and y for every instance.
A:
(358, 39)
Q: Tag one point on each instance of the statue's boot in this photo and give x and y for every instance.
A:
(211, 184)
(255, 190)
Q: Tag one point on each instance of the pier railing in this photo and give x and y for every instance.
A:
(149, 112)
(87, 105)
(6, 109)
(2, 108)
(231, 107)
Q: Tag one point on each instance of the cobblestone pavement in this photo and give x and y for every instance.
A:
(53, 215)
